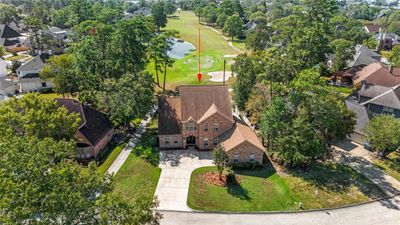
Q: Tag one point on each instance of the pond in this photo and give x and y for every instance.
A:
(180, 49)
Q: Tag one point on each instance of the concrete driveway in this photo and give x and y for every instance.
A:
(173, 185)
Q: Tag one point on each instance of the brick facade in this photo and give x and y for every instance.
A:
(212, 133)
(244, 151)
(173, 141)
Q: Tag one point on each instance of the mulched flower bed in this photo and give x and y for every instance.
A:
(213, 178)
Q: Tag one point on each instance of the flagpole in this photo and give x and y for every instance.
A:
(199, 75)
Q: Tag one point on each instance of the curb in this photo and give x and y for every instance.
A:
(282, 212)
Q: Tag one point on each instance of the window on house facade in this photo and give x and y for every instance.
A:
(216, 127)
(206, 127)
(44, 84)
(387, 110)
(166, 140)
(205, 141)
(175, 139)
(190, 126)
(252, 157)
(236, 157)
(216, 141)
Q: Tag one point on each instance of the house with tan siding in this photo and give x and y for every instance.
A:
(201, 118)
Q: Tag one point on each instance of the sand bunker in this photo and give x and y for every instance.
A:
(218, 76)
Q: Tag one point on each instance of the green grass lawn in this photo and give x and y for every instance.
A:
(51, 95)
(136, 178)
(390, 165)
(110, 158)
(213, 49)
(264, 190)
(17, 57)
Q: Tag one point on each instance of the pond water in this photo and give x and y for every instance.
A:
(180, 49)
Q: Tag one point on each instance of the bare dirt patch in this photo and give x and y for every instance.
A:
(214, 179)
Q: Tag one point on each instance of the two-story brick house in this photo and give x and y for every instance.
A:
(200, 117)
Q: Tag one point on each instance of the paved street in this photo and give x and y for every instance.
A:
(385, 212)
(177, 166)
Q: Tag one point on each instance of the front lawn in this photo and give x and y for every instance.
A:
(139, 175)
(136, 177)
(322, 186)
(390, 165)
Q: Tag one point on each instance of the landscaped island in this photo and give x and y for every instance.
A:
(322, 186)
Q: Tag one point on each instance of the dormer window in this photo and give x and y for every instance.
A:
(190, 127)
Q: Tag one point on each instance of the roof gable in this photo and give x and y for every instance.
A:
(377, 74)
(8, 32)
(197, 100)
(390, 98)
(239, 134)
(35, 64)
(212, 111)
(93, 125)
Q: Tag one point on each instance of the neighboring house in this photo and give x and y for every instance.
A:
(363, 57)
(9, 38)
(142, 12)
(31, 67)
(201, 117)
(387, 41)
(377, 74)
(94, 132)
(372, 100)
(28, 76)
(372, 28)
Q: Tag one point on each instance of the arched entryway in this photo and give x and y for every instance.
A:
(191, 141)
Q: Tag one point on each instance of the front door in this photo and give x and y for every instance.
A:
(191, 141)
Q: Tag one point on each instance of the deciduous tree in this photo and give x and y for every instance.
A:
(384, 134)
(220, 159)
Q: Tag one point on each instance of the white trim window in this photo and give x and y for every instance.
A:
(206, 127)
(175, 139)
(166, 140)
(215, 141)
(190, 127)
(252, 157)
(216, 127)
(236, 157)
(206, 142)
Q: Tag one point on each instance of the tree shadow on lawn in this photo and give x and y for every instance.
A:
(236, 190)
(337, 178)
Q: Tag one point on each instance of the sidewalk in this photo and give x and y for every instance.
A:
(354, 155)
(119, 161)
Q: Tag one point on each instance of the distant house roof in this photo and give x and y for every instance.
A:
(142, 12)
(362, 116)
(389, 98)
(364, 56)
(376, 73)
(7, 32)
(94, 125)
(373, 28)
(35, 64)
(238, 134)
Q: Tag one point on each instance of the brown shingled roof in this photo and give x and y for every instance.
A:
(373, 28)
(377, 74)
(239, 134)
(196, 100)
(93, 125)
(169, 115)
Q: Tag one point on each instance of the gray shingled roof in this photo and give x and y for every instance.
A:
(371, 90)
(364, 56)
(35, 64)
(362, 116)
(8, 32)
(390, 98)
